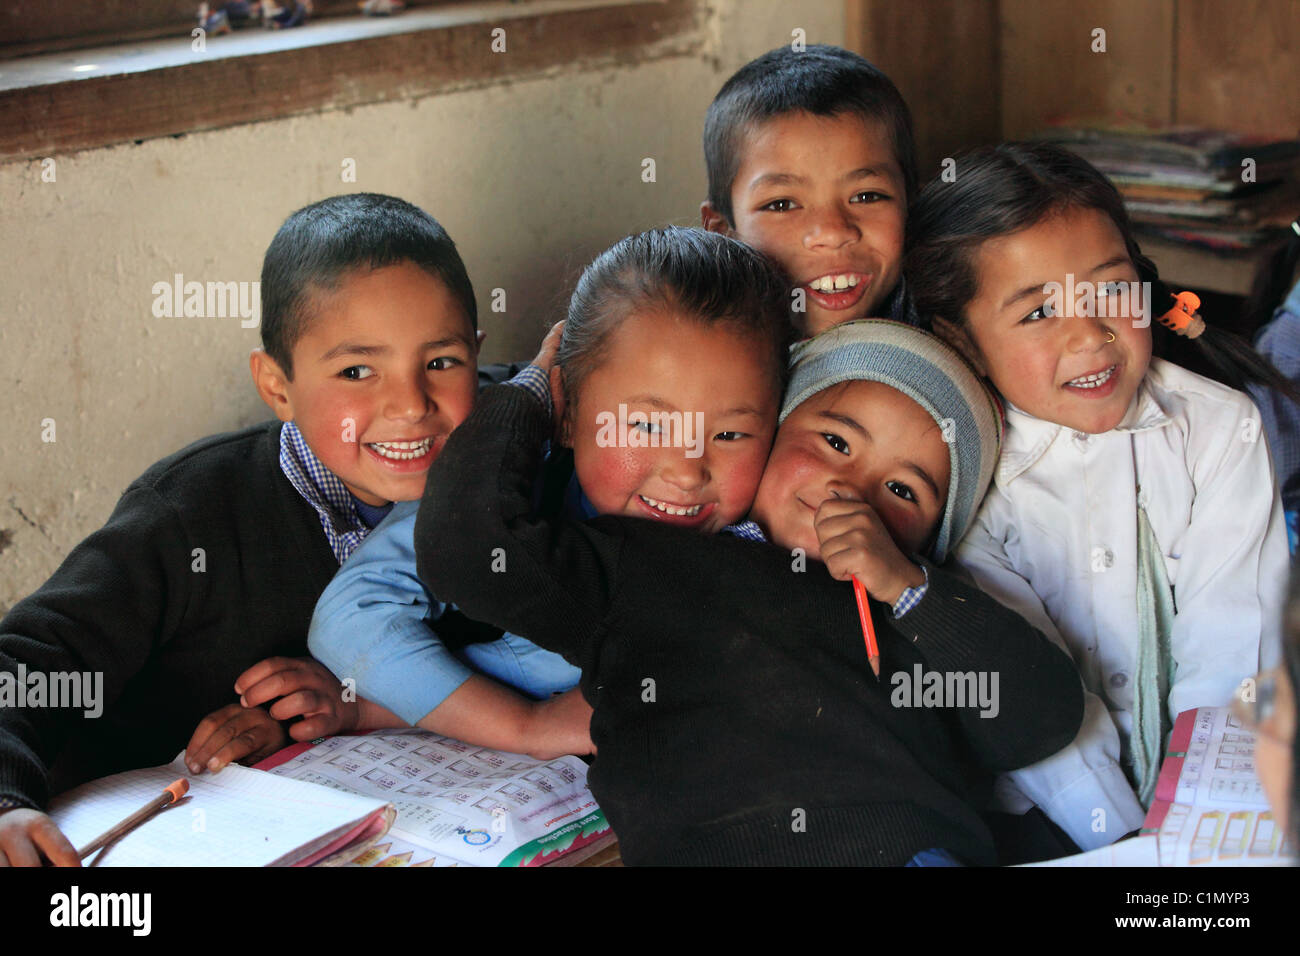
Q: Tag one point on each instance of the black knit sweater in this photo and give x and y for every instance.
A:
(169, 627)
(736, 716)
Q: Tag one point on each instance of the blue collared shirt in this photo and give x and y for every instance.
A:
(376, 624)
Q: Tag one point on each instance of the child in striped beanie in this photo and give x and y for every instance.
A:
(886, 446)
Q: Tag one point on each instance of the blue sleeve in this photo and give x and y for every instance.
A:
(522, 665)
(372, 624)
(1279, 342)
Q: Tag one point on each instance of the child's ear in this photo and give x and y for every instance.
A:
(714, 221)
(563, 425)
(957, 336)
(271, 383)
(479, 336)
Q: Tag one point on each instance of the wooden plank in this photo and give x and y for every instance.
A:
(23, 22)
(1239, 65)
(1050, 71)
(214, 92)
(943, 57)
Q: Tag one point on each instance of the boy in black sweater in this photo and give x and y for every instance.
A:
(737, 718)
(195, 598)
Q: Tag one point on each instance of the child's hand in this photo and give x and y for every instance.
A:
(855, 542)
(550, 345)
(235, 732)
(306, 689)
(28, 837)
(561, 725)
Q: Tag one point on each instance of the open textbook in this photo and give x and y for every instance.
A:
(1209, 808)
(456, 804)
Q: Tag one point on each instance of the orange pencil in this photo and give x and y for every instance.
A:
(174, 792)
(868, 629)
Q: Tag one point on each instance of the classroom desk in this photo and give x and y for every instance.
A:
(607, 855)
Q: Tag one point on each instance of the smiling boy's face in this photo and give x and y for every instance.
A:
(860, 440)
(385, 370)
(825, 198)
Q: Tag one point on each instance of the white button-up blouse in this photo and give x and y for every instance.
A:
(1056, 540)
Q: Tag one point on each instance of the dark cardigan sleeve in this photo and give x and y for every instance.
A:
(117, 595)
(478, 546)
(1037, 698)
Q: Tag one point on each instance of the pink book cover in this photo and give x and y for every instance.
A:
(1167, 782)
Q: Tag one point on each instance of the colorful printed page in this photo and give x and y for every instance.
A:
(394, 851)
(456, 803)
(1210, 809)
(238, 817)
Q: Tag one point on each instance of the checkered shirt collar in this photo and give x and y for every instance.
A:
(324, 491)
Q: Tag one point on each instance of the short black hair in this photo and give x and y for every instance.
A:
(821, 80)
(321, 243)
(705, 276)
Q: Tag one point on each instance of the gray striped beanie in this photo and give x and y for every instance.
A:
(932, 374)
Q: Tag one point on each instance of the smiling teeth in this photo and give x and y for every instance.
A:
(403, 450)
(1092, 381)
(834, 283)
(671, 509)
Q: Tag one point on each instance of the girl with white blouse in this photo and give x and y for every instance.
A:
(1134, 514)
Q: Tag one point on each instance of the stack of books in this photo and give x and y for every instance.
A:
(1212, 188)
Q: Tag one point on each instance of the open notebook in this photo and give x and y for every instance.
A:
(238, 817)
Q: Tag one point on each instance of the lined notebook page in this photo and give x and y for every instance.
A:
(238, 817)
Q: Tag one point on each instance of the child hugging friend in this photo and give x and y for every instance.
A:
(681, 336)
(1134, 513)
(737, 717)
(830, 214)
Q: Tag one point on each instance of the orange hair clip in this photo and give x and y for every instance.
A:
(1183, 316)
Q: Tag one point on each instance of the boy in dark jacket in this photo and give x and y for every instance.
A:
(199, 590)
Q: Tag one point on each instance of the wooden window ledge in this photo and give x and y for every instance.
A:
(72, 100)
